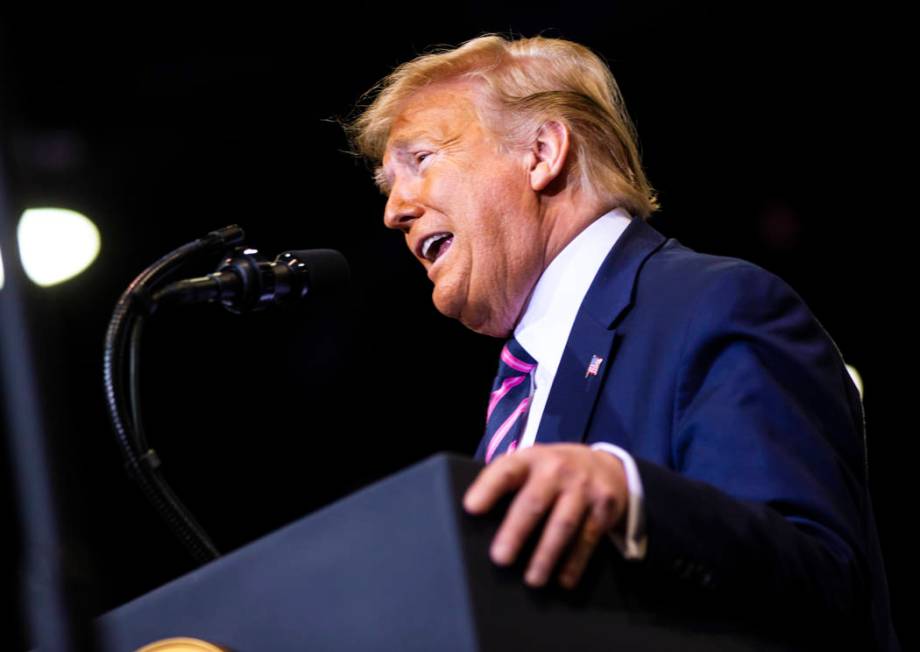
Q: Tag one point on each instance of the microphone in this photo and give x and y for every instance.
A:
(246, 281)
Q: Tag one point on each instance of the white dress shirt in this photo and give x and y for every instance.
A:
(543, 331)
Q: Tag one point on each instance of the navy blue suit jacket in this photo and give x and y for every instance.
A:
(745, 425)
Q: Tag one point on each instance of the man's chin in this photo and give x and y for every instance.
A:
(447, 303)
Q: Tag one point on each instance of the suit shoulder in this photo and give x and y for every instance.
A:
(681, 276)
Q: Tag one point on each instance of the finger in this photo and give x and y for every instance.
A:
(503, 475)
(526, 510)
(591, 532)
(563, 524)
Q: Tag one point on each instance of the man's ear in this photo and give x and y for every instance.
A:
(549, 153)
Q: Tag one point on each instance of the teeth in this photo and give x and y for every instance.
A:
(429, 241)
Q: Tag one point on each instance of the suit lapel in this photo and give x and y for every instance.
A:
(590, 347)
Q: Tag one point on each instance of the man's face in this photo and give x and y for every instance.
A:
(467, 209)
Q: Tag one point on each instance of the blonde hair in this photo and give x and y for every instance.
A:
(529, 81)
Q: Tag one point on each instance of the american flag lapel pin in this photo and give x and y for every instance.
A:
(594, 366)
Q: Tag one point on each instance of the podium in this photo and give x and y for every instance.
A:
(400, 566)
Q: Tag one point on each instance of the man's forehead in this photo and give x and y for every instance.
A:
(437, 112)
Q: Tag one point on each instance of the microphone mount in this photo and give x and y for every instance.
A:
(245, 281)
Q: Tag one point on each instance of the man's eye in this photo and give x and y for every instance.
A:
(421, 156)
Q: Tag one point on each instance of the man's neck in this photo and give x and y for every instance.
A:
(564, 218)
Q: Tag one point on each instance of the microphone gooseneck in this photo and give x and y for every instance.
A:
(243, 282)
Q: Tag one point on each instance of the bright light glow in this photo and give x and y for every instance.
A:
(56, 244)
(1, 269)
(857, 379)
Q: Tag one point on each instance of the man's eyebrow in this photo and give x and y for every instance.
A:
(408, 139)
(399, 147)
(422, 137)
(381, 179)
(403, 144)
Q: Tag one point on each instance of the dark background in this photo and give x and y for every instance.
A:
(771, 132)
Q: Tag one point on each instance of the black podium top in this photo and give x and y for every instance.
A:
(400, 566)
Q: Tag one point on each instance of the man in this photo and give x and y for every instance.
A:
(689, 406)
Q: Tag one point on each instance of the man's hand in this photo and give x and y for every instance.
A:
(586, 490)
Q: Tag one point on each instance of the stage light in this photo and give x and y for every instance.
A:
(857, 379)
(1, 269)
(56, 244)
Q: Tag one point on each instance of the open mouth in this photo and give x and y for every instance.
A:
(436, 245)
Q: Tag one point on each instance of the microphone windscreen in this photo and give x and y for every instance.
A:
(327, 269)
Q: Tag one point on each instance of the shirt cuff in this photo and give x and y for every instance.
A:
(633, 545)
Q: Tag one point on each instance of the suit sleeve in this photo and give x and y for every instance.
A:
(765, 499)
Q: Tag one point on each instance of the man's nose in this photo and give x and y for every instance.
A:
(402, 209)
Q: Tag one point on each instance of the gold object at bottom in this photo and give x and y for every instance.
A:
(182, 644)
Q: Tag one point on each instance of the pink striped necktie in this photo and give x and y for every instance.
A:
(509, 402)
